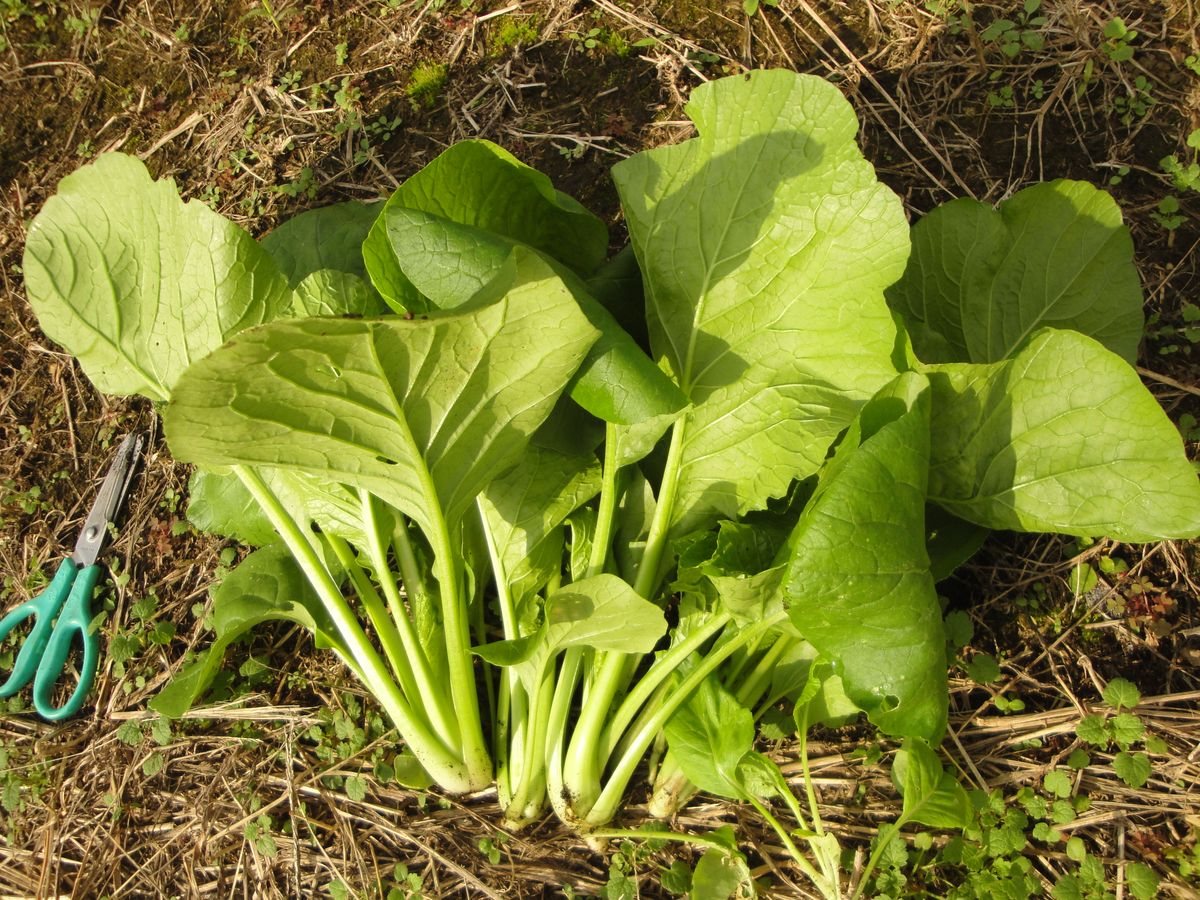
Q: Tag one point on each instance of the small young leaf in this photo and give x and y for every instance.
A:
(1082, 579)
(676, 880)
(1142, 880)
(1127, 729)
(1093, 729)
(1076, 849)
(983, 668)
(959, 629)
(720, 875)
(1132, 768)
(153, 764)
(1121, 693)
(1057, 783)
(932, 796)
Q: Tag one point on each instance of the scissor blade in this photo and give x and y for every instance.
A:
(108, 501)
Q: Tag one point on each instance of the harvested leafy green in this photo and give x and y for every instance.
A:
(551, 508)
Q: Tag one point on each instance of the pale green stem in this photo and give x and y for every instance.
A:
(508, 741)
(393, 647)
(560, 709)
(806, 867)
(606, 804)
(810, 792)
(657, 673)
(438, 760)
(410, 569)
(606, 511)
(458, 654)
(427, 686)
(528, 799)
(583, 765)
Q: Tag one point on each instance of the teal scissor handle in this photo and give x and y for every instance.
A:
(61, 613)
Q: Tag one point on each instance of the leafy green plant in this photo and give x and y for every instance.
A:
(1118, 40)
(549, 507)
(1023, 32)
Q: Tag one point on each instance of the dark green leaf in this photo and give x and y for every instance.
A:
(984, 279)
(709, 735)
(858, 587)
(266, 586)
(330, 237)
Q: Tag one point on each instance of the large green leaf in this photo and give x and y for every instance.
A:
(765, 245)
(858, 586)
(138, 284)
(523, 507)
(429, 251)
(478, 187)
(709, 735)
(330, 237)
(266, 586)
(1062, 437)
(422, 413)
(981, 280)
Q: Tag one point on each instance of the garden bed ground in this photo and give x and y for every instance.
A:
(264, 109)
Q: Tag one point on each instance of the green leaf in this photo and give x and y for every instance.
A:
(330, 237)
(709, 735)
(1132, 768)
(720, 875)
(617, 286)
(741, 565)
(422, 413)
(331, 293)
(1121, 693)
(858, 587)
(1127, 729)
(1076, 849)
(432, 250)
(1093, 729)
(983, 668)
(983, 280)
(1083, 578)
(485, 188)
(932, 796)
(525, 505)
(959, 629)
(1057, 783)
(602, 612)
(137, 284)
(677, 880)
(220, 504)
(951, 541)
(267, 585)
(763, 287)
(1142, 880)
(1062, 437)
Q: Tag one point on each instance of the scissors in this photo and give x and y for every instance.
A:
(62, 612)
